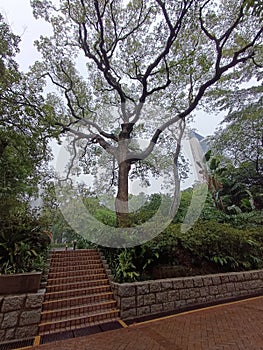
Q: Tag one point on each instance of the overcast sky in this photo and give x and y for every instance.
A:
(18, 14)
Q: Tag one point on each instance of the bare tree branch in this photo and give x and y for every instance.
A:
(174, 31)
(94, 138)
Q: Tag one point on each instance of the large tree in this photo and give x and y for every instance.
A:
(23, 130)
(154, 61)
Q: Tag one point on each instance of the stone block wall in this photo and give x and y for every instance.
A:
(147, 298)
(20, 315)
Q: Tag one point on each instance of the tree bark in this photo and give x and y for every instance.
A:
(121, 202)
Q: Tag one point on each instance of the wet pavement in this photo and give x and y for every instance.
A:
(236, 325)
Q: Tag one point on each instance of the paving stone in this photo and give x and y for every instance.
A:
(2, 335)
(161, 297)
(207, 281)
(12, 303)
(224, 278)
(191, 301)
(140, 300)
(194, 293)
(145, 310)
(184, 294)
(201, 300)
(232, 277)
(10, 334)
(149, 299)
(226, 327)
(26, 332)
(10, 320)
(30, 317)
(213, 290)
(127, 314)
(211, 298)
(126, 290)
(180, 304)
(238, 286)
(255, 275)
(34, 301)
(155, 287)
(143, 288)
(188, 283)
(178, 284)
(169, 306)
(230, 287)
(156, 308)
(167, 285)
(241, 277)
(204, 291)
(198, 281)
(216, 280)
(256, 284)
(128, 303)
(172, 295)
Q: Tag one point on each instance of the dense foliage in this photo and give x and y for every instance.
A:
(23, 243)
(237, 163)
(217, 242)
(23, 153)
(208, 247)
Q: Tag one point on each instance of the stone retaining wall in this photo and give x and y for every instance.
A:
(20, 315)
(147, 298)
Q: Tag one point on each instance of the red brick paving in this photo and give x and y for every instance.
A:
(226, 327)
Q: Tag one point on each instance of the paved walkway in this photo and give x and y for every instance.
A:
(237, 325)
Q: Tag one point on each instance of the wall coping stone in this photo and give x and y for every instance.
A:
(153, 297)
(20, 315)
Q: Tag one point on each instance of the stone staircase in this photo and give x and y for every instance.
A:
(78, 293)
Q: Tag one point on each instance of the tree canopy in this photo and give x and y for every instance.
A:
(23, 132)
(146, 65)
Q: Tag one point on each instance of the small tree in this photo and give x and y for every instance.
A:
(241, 143)
(137, 53)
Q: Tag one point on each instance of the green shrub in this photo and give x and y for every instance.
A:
(207, 247)
(106, 216)
(23, 246)
(229, 248)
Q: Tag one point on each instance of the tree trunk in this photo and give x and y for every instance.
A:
(121, 202)
(176, 197)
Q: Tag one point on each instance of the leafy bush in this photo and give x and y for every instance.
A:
(23, 246)
(253, 219)
(106, 216)
(230, 249)
(131, 264)
(208, 247)
(125, 270)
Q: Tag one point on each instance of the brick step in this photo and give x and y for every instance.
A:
(77, 285)
(82, 320)
(74, 257)
(76, 292)
(59, 251)
(79, 266)
(75, 311)
(74, 253)
(67, 262)
(86, 272)
(75, 301)
(76, 279)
